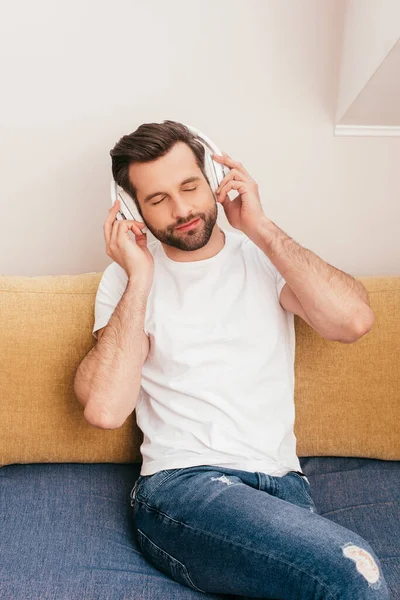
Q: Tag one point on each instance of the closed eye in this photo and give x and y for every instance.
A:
(188, 190)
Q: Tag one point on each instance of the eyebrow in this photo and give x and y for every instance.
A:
(187, 180)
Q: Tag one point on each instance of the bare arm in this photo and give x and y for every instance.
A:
(334, 303)
(107, 382)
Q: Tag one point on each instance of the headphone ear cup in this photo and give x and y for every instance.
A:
(220, 171)
(210, 170)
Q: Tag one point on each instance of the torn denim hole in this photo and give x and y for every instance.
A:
(224, 479)
(365, 563)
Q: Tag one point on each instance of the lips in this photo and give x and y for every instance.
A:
(188, 225)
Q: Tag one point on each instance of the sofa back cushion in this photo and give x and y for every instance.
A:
(346, 395)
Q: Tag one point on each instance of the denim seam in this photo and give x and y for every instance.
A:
(304, 487)
(185, 569)
(166, 478)
(207, 533)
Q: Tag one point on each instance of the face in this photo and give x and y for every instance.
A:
(177, 201)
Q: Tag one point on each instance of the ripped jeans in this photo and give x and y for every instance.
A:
(222, 530)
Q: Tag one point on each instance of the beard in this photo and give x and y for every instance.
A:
(190, 240)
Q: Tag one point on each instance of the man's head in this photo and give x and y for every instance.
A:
(168, 160)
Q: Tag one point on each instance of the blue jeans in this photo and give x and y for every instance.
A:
(222, 530)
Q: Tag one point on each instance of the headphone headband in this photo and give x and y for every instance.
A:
(212, 147)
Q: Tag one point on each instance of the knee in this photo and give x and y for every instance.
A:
(362, 575)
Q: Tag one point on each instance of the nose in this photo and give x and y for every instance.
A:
(182, 211)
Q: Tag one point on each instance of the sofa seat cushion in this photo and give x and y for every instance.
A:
(363, 495)
(67, 529)
(67, 533)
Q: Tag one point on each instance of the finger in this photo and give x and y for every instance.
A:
(229, 162)
(113, 236)
(136, 227)
(141, 240)
(123, 226)
(107, 227)
(140, 224)
(232, 184)
(126, 226)
(129, 225)
(119, 229)
(233, 174)
(115, 207)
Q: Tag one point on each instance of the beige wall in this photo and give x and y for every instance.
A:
(260, 77)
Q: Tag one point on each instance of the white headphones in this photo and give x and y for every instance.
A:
(215, 172)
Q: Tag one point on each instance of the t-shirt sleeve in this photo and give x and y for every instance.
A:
(270, 270)
(110, 291)
(280, 281)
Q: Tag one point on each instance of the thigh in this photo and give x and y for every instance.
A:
(215, 533)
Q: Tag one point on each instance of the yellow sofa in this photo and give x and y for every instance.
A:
(346, 395)
(347, 428)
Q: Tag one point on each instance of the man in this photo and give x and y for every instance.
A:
(198, 336)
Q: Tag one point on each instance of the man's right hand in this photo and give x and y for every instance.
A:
(133, 256)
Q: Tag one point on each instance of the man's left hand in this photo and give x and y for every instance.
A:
(245, 211)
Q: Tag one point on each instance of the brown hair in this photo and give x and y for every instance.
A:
(148, 142)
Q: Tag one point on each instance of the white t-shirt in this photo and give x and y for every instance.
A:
(218, 383)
